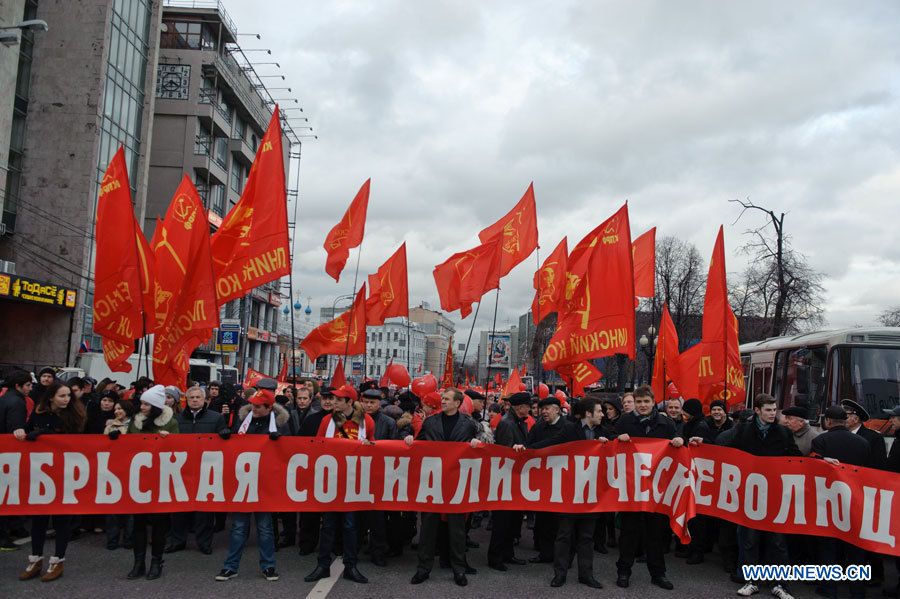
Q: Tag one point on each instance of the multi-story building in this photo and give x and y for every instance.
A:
(78, 91)
(399, 340)
(498, 353)
(438, 330)
(211, 111)
(167, 81)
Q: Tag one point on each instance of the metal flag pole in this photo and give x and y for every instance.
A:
(469, 340)
(291, 273)
(355, 280)
(538, 319)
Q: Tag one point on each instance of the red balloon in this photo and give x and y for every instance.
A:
(424, 385)
(672, 391)
(560, 395)
(466, 407)
(398, 375)
(543, 391)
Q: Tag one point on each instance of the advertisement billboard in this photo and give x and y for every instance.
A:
(499, 351)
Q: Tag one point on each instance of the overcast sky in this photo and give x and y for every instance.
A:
(452, 108)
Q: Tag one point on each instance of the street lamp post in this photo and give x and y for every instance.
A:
(648, 346)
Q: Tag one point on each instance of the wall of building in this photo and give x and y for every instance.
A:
(11, 12)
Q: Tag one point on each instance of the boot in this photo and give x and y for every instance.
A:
(35, 565)
(54, 570)
(139, 568)
(155, 570)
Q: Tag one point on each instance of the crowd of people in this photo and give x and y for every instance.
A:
(30, 408)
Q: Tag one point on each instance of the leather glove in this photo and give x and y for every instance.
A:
(114, 434)
(33, 435)
(274, 435)
(225, 433)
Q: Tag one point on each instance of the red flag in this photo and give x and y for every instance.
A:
(251, 247)
(466, 276)
(644, 252)
(712, 369)
(388, 290)
(550, 284)
(253, 377)
(282, 375)
(385, 380)
(185, 309)
(513, 384)
(345, 335)
(337, 378)
(447, 379)
(599, 319)
(123, 269)
(519, 230)
(348, 233)
(579, 375)
(498, 380)
(665, 365)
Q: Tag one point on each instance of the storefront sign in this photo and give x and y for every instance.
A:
(36, 292)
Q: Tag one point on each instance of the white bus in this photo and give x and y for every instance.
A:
(820, 369)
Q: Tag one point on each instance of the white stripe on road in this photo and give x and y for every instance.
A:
(324, 585)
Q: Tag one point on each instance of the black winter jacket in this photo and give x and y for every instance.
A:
(779, 441)
(842, 445)
(204, 421)
(465, 430)
(511, 431)
(13, 412)
(659, 426)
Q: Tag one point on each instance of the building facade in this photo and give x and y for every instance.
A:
(438, 330)
(81, 89)
(397, 340)
(209, 116)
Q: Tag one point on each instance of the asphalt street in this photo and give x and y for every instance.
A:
(94, 572)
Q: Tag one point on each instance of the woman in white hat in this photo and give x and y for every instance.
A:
(156, 418)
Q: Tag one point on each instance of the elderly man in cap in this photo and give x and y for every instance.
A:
(552, 429)
(376, 521)
(348, 420)
(856, 419)
(261, 416)
(840, 446)
(795, 418)
(512, 430)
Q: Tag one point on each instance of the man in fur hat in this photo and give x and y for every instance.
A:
(262, 416)
(348, 420)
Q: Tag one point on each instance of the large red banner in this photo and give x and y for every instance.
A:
(88, 474)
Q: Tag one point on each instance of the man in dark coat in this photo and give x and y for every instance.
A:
(893, 465)
(695, 426)
(449, 425)
(718, 420)
(13, 414)
(856, 419)
(651, 528)
(512, 430)
(763, 436)
(310, 522)
(552, 428)
(840, 446)
(579, 528)
(195, 418)
(376, 521)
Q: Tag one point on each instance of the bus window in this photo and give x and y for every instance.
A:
(778, 386)
(805, 383)
(200, 373)
(869, 376)
(762, 379)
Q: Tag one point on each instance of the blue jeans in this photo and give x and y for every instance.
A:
(240, 530)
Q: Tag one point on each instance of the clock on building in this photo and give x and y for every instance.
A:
(173, 81)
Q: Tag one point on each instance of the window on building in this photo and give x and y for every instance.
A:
(207, 90)
(240, 128)
(224, 108)
(221, 151)
(203, 141)
(187, 36)
(379, 336)
(378, 352)
(395, 353)
(396, 336)
(217, 199)
(372, 352)
(237, 177)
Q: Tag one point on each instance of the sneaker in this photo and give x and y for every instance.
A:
(7, 544)
(225, 574)
(271, 575)
(780, 592)
(749, 589)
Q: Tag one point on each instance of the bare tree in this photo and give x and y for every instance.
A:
(890, 317)
(779, 287)
(680, 282)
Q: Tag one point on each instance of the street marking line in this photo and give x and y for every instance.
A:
(324, 585)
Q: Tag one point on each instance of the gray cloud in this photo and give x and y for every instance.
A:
(454, 107)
